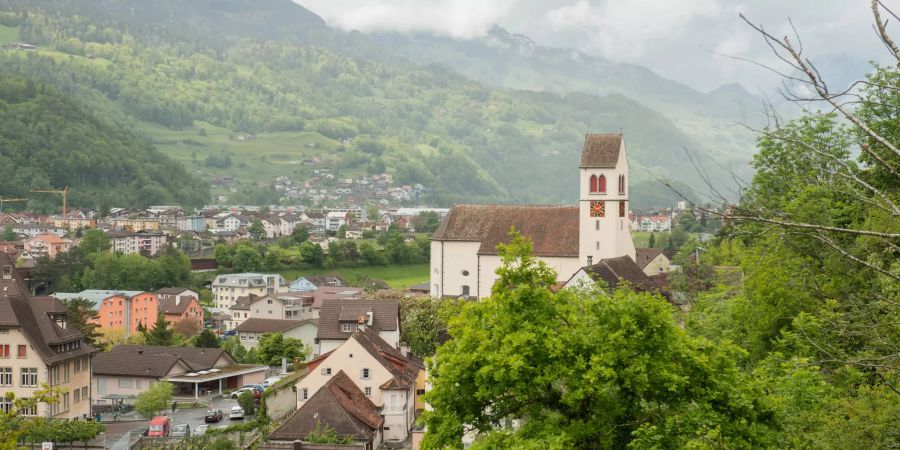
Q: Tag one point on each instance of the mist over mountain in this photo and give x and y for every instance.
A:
(495, 119)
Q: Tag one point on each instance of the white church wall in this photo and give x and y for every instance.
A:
(454, 265)
(564, 268)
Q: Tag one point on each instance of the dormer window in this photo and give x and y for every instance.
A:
(346, 327)
(7, 272)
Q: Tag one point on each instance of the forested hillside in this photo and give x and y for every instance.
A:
(166, 66)
(47, 141)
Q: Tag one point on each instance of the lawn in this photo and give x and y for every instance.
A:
(397, 276)
(642, 238)
(8, 34)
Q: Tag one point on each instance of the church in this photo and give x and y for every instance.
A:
(464, 255)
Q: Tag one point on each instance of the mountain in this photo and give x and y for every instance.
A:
(195, 77)
(47, 141)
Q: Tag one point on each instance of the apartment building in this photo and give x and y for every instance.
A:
(228, 288)
(37, 347)
(128, 242)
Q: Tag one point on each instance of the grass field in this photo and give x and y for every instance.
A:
(267, 156)
(8, 34)
(395, 276)
(642, 239)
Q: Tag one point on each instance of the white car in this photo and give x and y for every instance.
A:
(200, 430)
(237, 413)
(237, 393)
(270, 381)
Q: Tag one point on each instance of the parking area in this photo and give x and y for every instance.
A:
(195, 416)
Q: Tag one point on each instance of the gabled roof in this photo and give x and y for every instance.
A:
(33, 316)
(403, 369)
(323, 280)
(601, 151)
(385, 316)
(645, 255)
(616, 270)
(154, 361)
(175, 305)
(552, 229)
(172, 290)
(340, 405)
(243, 303)
(262, 325)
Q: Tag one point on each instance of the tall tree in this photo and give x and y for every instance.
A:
(257, 230)
(155, 399)
(94, 241)
(272, 347)
(206, 339)
(8, 233)
(80, 313)
(300, 234)
(160, 334)
(584, 370)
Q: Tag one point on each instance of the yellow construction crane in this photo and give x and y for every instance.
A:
(64, 192)
(10, 200)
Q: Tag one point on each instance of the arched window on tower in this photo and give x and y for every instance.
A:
(593, 183)
(601, 184)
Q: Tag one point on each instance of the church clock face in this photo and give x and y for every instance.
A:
(598, 208)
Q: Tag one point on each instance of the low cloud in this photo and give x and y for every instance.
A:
(461, 19)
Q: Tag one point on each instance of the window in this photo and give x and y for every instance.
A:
(368, 391)
(22, 352)
(365, 374)
(84, 392)
(420, 391)
(5, 405)
(29, 410)
(593, 183)
(465, 291)
(305, 393)
(101, 385)
(596, 224)
(346, 327)
(65, 402)
(601, 184)
(6, 376)
(326, 371)
(76, 396)
(465, 273)
(54, 375)
(138, 384)
(66, 373)
(4, 351)
(29, 377)
(125, 383)
(621, 184)
(621, 209)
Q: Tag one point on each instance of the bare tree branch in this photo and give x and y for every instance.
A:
(882, 29)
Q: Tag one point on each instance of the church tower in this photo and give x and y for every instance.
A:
(604, 230)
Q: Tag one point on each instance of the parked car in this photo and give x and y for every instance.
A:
(213, 415)
(201, 429)
(181, 430)
(257, 387)
(270, 381)
(229, 333)
(159, 427)
(237, 393)
(237, 413)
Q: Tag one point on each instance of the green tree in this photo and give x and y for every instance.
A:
(8, 233)
(651, 243)
(160, 334)
(80, 314)
(234, 348)
(312, 254)
(584, 370)
(274, 346)
(16, 422)
(372, 213)
(421, 320)
(94, 241)
(342, 232)
(325, 434)
(206, 339)
(257, 230)
(223, 254)
(246, 258)
(300, 234)
(248, 403)
(155, 399)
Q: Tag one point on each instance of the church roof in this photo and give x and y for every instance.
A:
(601, 150)
(553, 230)
(619, 269)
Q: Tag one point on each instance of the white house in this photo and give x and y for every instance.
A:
(227, 288)
(336, 219)
(464, 254)
(251, 330)
(382, 373)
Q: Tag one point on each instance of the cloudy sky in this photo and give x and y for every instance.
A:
(676, 38)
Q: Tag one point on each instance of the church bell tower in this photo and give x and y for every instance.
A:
(604, 230)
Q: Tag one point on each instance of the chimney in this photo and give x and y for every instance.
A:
(590, 261)
(177, 300)
(369, 317)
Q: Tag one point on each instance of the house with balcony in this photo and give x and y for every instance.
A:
(127, 242)
(227, 288)
(46, 244)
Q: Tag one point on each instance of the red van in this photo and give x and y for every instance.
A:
(159, 427)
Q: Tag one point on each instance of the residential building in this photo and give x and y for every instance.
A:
(173, 292)
(339, 319)
(181, 307)
(315, 221)
(192, 223)
(37, 347)
(46, 244)
(380, 371)
(651, 224)
(313, 282)
(36, 229)
(652, 261)
(127, 242)
(73, 221)
(251, 330)
(136, 224)
(336, 219)
(240, 311)
(340, 405)
(129, 370)
(614, 272)
(464, 256)
(227, 288)
(95, 296)
(125, 312)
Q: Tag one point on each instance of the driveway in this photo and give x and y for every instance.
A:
(194, 417)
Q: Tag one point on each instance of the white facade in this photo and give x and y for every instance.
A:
(392, 337)
(608, 236)
(150, 243)
(228, 288)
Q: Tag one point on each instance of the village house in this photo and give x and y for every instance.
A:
(380, 371)
(251, 330)
(653, 261)
(127, 242)
(337, 219)
(73, 221)
(240, 311)
(192, 223)
(182, 308)
(613, 272)
(48, 245)
(128, 370)
(38, 347)
(340, 405)
(464, 256)
(650, 224)
(313, 282)
(340, 318)
(315, 221)
(228, 288)
(36, 229)
(135, 224)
